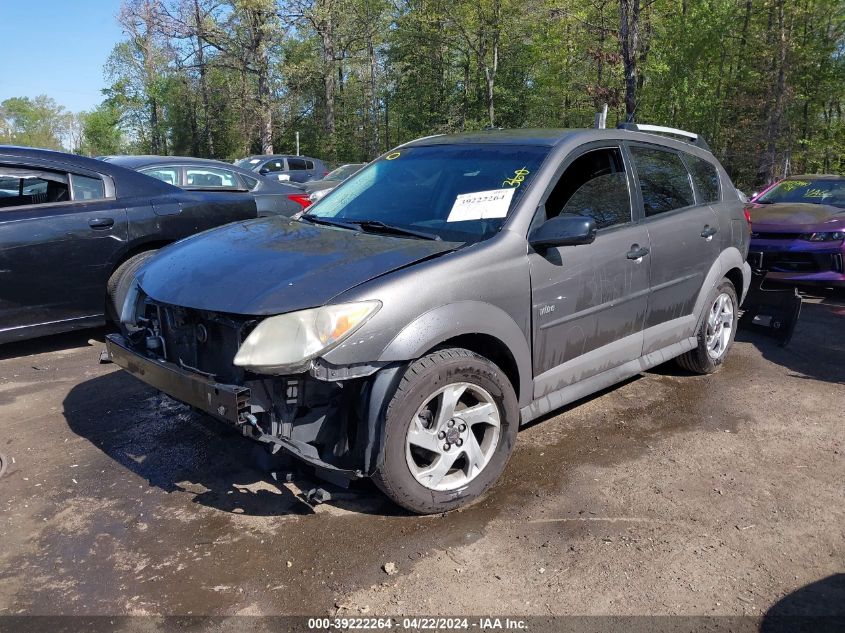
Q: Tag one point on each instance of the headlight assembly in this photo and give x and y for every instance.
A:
(286, 343)
(830, 236)
(318, 195)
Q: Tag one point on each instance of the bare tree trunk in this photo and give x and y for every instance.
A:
(265, 111)
(374, 137)
(329, 85)
(206, 109)
(629, 23)
(766, 168)
(491, 69)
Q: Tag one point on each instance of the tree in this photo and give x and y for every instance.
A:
(101, 134)
(38, 122)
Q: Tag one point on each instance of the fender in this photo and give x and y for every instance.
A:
(455, 319)
(728, 259)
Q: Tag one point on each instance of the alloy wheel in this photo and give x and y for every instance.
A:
(453, 436)
(720, 324)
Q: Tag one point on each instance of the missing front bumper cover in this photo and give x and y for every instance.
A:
(230, 403)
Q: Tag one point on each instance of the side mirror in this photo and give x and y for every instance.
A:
(564, 230)
(263, 171)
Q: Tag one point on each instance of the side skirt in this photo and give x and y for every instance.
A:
(576, 391)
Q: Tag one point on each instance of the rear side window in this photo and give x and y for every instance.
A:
(23, 186)
(209, 177)
(309, 164)
(297, 163)
(85, 188)
(705, 176)
(664, 180)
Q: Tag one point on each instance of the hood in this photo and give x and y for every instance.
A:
(797, 215)
(275, 265)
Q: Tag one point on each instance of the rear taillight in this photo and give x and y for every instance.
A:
(747, 218)
(300, 199)
(325, 173)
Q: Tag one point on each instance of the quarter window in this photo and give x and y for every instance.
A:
(664, 180)
(594, 185)
(705, 176)
(85, 188)
(297, 164)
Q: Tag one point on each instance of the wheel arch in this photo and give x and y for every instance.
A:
(480, 327)
(134, 249)
(730, 264)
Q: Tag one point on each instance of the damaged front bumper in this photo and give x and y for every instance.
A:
(333, 427)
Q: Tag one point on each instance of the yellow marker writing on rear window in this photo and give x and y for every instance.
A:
(518, 176)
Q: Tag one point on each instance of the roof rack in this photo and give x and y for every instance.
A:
(689, 137)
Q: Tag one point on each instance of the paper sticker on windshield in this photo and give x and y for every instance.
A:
(254, 160)
(481, 205)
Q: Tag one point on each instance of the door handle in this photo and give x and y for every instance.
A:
(101, 223)
(709, 232)
(637, 252)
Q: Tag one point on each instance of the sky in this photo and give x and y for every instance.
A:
(57, 48)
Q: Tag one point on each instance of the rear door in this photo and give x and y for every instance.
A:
(683, 231)
(589, 301)
(59, 234)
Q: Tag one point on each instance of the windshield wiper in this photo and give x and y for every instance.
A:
(377, 226)
(316, 219)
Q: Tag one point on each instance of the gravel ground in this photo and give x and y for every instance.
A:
(668, 495)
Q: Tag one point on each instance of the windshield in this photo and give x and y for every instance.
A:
(808, 191)
(459, 193)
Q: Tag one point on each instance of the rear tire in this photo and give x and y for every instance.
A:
(119, 283)
(716, 331)
(426, 410)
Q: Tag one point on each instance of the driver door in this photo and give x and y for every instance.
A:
(589, 301)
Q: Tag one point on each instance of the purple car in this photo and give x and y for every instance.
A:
(798, 228)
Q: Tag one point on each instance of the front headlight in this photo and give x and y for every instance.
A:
(129, 311)
(286, 343)
(830, 236)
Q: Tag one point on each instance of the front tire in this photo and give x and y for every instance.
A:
(715, 333)
(450, 428)
(120, 281)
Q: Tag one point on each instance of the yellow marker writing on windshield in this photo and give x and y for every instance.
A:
(518, 176)
(393, 156)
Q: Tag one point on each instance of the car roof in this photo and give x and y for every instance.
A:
(149, 160)
(139, 160)
(549, 137)
(127, 182)
(815, 177)
(271, 156)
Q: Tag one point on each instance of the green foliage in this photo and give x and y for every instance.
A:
(762, 80)
(101, 133)
(38, 122)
